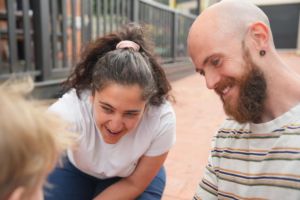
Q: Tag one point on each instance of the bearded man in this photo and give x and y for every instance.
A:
(256, 152)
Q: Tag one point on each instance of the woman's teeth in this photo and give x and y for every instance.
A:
(112, 131)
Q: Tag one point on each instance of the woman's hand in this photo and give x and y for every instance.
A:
(135, 184)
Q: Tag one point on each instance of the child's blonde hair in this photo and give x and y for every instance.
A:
(30, 141)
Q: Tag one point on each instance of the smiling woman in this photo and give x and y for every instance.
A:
(118, 100)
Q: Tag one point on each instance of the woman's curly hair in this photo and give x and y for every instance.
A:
(102, 64)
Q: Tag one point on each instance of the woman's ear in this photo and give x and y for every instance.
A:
(91, 95)
(145, 109)
(260, 35)
(17, 194)
(91, 98)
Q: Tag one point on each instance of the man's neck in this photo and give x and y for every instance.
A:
(283, 92)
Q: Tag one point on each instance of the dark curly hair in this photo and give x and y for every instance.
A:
(102, 64)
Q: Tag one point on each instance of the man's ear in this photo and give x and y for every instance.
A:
(17, 194)
(260, 34)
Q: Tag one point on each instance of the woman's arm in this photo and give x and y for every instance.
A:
(132, 186)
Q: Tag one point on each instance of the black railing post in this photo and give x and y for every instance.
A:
(74, 30)
(91, 16)
(174, 42)
(27, 36)
(135, 10)
(12, 41)
(198, 7)
(54, 22)
(42, 38)
(298, 38)
(64, 33)
(83, 20)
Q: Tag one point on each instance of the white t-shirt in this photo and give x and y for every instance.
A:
(154, 135)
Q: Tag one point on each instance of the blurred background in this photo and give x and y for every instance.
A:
(44, 38)
(283, 16)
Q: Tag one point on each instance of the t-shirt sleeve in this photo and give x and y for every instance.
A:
(208, 186)
(165, 136)
(65, 108)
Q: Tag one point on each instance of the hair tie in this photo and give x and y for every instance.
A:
(128, 44)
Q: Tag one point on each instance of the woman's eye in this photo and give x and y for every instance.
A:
(131, 114)
(106, 109)
(215, 62)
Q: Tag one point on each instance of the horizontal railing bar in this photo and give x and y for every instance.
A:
(21, 32)
(165, 60)
(18, 31)
(178, 59)
(50, 82)
(28, 73)
(61, 72)
(191, 16)
(164, 7)
(65, 69)
(18, 13)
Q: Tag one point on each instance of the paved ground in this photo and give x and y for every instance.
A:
(199, 114)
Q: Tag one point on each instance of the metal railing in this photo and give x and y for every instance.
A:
(43, 38)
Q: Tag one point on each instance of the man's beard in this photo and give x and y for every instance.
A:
(248, 107)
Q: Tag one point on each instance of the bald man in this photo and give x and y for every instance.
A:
(256, 152)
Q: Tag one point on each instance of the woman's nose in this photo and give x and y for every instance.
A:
(116, 123)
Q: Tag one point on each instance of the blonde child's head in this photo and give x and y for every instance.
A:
(30, 142)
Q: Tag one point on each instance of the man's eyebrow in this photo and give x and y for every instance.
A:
(133, 111)
(204, 63)
(206, 59)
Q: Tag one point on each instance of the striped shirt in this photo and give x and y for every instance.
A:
(254, 161)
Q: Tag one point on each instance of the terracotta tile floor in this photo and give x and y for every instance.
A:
(199, 114)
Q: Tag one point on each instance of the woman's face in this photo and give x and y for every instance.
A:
(117, 110)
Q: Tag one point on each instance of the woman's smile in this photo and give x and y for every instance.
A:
(112, 133)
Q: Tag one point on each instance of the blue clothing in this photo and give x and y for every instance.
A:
(69, 183)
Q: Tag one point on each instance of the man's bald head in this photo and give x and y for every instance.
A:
(233, 17)
(225, 25)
